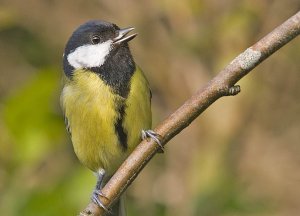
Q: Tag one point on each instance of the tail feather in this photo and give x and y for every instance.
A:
(118, 208)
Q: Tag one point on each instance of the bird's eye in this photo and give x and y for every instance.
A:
(95, 39)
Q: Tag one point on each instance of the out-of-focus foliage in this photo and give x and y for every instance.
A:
(241, 157)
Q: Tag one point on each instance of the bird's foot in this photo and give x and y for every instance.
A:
(95, 198)
(151, 134)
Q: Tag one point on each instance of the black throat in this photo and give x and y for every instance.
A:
(117, 70)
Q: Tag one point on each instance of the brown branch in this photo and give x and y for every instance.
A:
(219, 86)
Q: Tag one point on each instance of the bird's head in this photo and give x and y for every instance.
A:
(93, 42)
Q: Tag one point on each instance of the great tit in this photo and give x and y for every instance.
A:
(106, 99)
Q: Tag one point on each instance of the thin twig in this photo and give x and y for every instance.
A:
(219, 86)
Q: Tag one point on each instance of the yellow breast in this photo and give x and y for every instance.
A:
(91, 108)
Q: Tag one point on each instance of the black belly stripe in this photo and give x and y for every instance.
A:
(122, 134)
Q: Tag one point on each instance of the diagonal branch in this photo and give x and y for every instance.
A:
(219, 86)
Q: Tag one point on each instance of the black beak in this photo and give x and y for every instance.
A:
(122, 35)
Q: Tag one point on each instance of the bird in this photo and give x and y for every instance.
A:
(106, 100)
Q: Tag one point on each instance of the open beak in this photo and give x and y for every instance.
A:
(122, 35)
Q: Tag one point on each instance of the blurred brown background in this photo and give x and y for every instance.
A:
(241, 157)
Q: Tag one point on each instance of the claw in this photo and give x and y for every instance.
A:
(97, 192)
(151, 134)
(96, 200)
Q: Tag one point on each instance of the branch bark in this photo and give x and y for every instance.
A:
(219, 86)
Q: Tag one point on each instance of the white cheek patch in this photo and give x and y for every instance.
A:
(92, 55)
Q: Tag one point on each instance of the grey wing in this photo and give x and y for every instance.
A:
(68, 126)
(150, 95)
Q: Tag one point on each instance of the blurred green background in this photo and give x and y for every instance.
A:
(241, 157)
